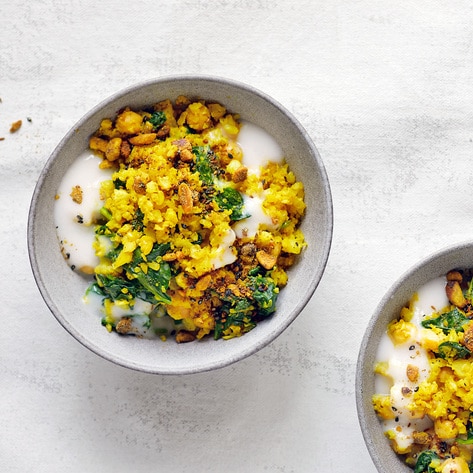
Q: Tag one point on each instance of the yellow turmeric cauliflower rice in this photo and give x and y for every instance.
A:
(427, 359)
(192, 241)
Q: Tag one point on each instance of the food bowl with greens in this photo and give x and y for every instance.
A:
(415, 369)
(181, 225)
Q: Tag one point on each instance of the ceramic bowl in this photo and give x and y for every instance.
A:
(63, 289)
(457, 256)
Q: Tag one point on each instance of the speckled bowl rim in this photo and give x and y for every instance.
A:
(458, 255)
(248, 350)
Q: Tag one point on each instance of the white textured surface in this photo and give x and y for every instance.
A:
(386, 91)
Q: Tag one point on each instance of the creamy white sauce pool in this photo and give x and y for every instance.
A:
(258, 146)
(76, 238)
(249, 226)
(431, 298)
(225, 253)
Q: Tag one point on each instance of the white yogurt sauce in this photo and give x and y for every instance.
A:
(77, 238)
(225, 253)
(430, 298)
(249, 226)
(258, 147)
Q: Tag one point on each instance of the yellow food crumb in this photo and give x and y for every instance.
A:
(77, 194)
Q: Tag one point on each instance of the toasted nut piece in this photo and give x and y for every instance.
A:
(186, 155)
(203, 282)
(240, 174)
(139, 186)
(125, 149)
(412, 372)
(455, 294)
(248, 249)
(421, 438)
(112, 153)
(406, 391)
(124, 326)
(182, 101)
(142, 139)
(176, 255)
(86, 269)
(185, 197)
(77, 194)
(235, 289)
(163, 132)
(455, 451)
(98, 144)
(468, 336)
(455, 276)
(265, 259)
(106, 164)
(15, 126)
(184, 150)
(286, 260)
(184, 337)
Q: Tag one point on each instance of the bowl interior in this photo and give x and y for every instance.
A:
(62, 289)
(459, 256)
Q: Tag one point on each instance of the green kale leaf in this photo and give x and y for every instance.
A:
(204, 164)
(119, 184)
(113, 288)
(157, 119)
(424, 460)
(137, 220)
(151, 286)
(452, 320)
(265, 294)
(236, 311)
(453, 350)
(230, 199)
(154, 283)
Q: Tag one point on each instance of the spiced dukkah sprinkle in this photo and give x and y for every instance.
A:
(193, 239)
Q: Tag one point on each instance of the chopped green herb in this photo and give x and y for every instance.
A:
(105, 213)
(453, 350)
(137, 220)
(119, 184)
(230, 199)
(265, 294)
(204, 158)
(150, 286)
(157, 119)
(452, 320)
(423, 464)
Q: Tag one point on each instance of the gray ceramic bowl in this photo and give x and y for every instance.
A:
(458, 256)
(62, 289)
